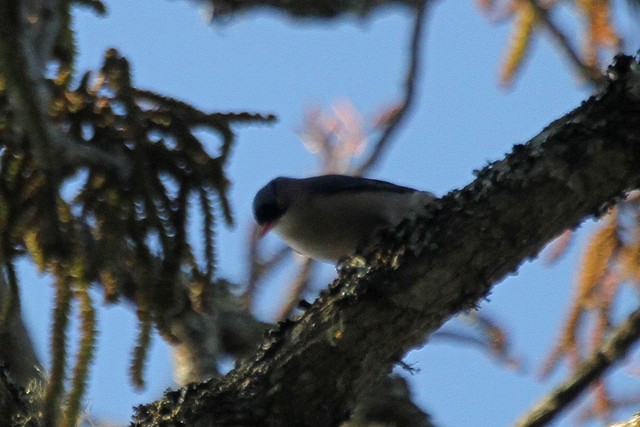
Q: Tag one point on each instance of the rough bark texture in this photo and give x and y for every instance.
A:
(304, 8)
(410, 280)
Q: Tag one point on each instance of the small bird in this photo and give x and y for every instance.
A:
(326, 217)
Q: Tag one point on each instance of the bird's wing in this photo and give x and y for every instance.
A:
(332, 184)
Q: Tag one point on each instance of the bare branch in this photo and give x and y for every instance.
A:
(412, 279)
(302, 9)
(409, 90)
(591, 369)
(258, 268)
(592, 74)
(298, 286)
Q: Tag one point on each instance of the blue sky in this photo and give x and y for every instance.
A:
(268, 63)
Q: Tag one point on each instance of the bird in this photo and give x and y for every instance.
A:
(326, 217)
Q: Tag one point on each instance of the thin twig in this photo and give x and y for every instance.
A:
(409, 91)
(299, 285)
(259, 269)
(587, 372)
(593, 74)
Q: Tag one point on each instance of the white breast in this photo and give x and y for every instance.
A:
(332, 228)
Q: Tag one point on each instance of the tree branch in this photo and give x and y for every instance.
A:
(408, 281)
(298, 286)
(588, 371)
(27, 33)
(592, 74)
(409, 90)
(303, 8)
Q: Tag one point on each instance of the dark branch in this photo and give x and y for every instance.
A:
(592, 74)
(409, 91)
(590, 370)
(25, 51)
(302, 8)
(298, 286)
(412, 279)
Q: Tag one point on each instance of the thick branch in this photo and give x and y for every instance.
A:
(303, 8)
(412, 279)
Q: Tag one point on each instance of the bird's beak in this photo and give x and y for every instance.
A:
(264, 229)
